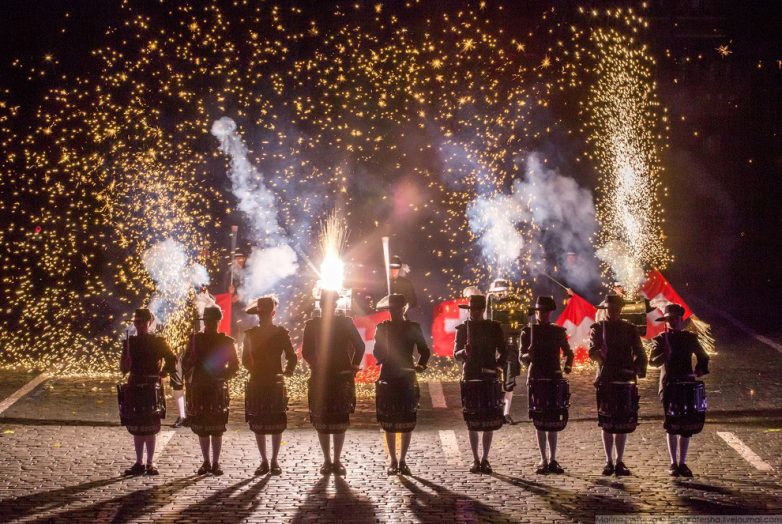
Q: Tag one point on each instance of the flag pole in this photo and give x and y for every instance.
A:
(557, 282)
(234, 234)
(387, 259)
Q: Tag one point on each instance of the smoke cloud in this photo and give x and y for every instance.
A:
(272, 259)
(169, 267)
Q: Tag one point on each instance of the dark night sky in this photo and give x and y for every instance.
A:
(723, 213)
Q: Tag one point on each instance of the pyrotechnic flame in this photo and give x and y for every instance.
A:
(333, 237)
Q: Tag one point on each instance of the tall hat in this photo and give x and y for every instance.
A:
(262, 305)
(671, 310)
(544, 303)
(611, 299)
(213, 313)
(499, 284)
(476, 302)
(396, 262)
(143, 314)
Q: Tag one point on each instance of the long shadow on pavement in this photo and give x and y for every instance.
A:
(582, 506)
(126, 507)
(344, 506)
(711, 499)
(224, 506)
(446, 505)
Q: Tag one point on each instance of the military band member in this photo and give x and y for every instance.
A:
(616, 347)
(481, 348)
(673, 351)
(146, 357)
(541, 345)
(209, 360)
(395, 342)
(264, 347)
(400, 284)
(500, 288)
(333, 348)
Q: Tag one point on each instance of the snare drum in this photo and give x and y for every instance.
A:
(265, 406)
(142, 403)
(396, 401)
(482, 403)
(331, 401)
(617, 406)
(685, 407)
(207, 407)
(549, 400)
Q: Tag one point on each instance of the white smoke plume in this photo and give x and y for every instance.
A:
(557, 215)
(174, 275)
(273, 258)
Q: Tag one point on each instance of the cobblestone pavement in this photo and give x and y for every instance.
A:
(61, 454)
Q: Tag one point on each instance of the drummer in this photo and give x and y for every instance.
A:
(540, 347)
(616, 347)
(395, 342)
(333, 348)
(143, 357)
(209, 360)
(673, 351)
(264, 347)
(481, 348)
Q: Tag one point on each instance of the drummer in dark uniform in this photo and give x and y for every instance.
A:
(673, 351)
(209, 360)
(333, 348)
(500, 289)
(541, 345)
(264, 347)
(395, 342)
(146, 357)
(400, 284)
(615, 345)
(481, 348)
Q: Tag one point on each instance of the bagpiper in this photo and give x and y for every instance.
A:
(208, 363)
(397, 390)
(481, 349)
(266, 399)
(147, 358)
(333, 348)
(683, 398)
(542, 345)
(616, 347)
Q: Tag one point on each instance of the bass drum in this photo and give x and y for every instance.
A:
(396, 402)
(331, 402)
(617, 406)
(142, 403)
(685, 407)
(266, 406)
(549, 400)
(482, 403)
(207, 407)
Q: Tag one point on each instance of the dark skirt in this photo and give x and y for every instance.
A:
(265, 406)
(331, 400)
(684, 407)
(396, 403)
(142, 404)
(617, 406)
(549, 400)
(482, 403)
(207, 407)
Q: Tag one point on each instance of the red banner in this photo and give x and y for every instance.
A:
(660, 293)
(446, 316)
(224, 302)
(576, 318)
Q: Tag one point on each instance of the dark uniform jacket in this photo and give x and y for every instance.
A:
(488, 350)
(331, 345)
(541, 345)
(673, 351)
(395, 342)
(616, 347)
(404, 286)
(264, 347)
(210, 356)
(142, 356)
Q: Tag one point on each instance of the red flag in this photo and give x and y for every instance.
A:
(447, 315)
(223, 300)
(660, 293)
(576, 318)
(366, 326)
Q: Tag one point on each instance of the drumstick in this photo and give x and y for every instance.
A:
(387, 259)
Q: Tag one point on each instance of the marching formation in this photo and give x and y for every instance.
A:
(333, 349)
